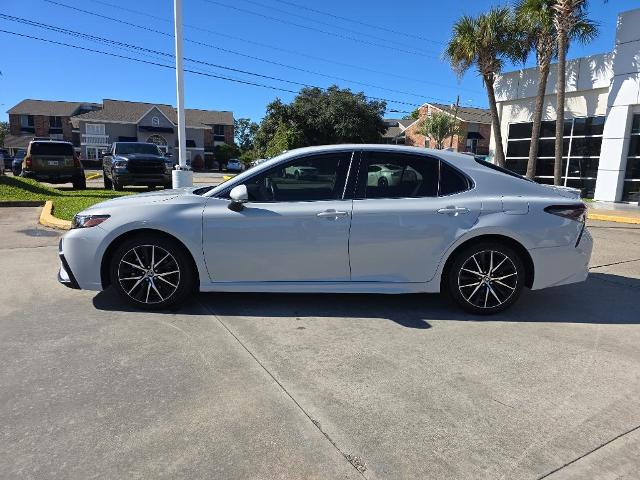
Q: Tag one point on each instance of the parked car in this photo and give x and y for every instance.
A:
(136, 163)
(53, 161)
(385, 175)
(234, 165)
(301, 172)
(257, 162)
(16, 164)
(5, 159)
(466, 227)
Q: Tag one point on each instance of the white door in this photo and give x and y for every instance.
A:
(401, 229)
(294, 227)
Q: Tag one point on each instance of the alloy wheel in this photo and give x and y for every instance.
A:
(148, 274)
(487, 279)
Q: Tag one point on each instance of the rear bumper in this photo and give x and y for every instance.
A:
(562, 265)
(52, 177)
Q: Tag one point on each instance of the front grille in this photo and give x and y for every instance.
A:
(146, 166)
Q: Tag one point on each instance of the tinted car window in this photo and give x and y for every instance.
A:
(315, 177)
(392, 175)
(51, 148)
(451, 180)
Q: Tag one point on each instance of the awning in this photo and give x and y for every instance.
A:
(147, 128)
(474, 136)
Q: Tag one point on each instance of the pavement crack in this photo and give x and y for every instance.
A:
(356, 462)
(615, 263)
(589, 452)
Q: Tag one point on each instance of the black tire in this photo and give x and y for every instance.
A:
(108, 184)
(115, 185)
(468, 283)
(383, 182)
(149, 292)
(168, 186)
(80, 183)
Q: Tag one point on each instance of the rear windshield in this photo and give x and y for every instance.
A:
(501, 169)
(146, 148)
(51, 148)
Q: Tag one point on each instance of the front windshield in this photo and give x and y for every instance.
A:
(144, 148)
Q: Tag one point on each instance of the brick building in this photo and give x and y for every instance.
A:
(475, 135)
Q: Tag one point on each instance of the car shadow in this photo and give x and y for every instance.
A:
(603, 298)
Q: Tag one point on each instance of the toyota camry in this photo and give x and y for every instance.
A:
(447, 223)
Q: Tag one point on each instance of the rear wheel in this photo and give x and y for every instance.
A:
(486, 278)
(151, 272)
(80, 183)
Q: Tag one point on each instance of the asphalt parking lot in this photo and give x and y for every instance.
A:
(317, 386)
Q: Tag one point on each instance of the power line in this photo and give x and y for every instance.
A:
(326, 32)
(234, 52)
(172, 67)
(226, 50)
(346, 19)
(271, 8)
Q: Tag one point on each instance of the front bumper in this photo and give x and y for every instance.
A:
(65, 275)
(144, 179)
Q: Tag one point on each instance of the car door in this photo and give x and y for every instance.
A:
(291, 229)
(401, 229)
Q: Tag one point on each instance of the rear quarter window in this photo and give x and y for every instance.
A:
(50, 148)
(451, 180)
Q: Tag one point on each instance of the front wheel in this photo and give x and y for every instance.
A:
(80, 183)
(486, 278)
(108, 184)
(151, 272)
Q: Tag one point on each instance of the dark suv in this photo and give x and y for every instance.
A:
(136, 163)
(53, 161)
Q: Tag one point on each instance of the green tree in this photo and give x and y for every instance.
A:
(414, 115)
(567, 14)
(536, 19)
(244, 131)
(486, 42)
(439, 126)
(284, 138)
(321, 117)
(4, 131)
(223, 153)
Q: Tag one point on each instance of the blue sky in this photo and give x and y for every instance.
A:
(399, 61)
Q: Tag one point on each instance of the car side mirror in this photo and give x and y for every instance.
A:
(238, 195)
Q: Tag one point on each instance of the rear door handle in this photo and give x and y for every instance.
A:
(454, 210)
(332, 214)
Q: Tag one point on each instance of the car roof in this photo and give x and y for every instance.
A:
(51, 141)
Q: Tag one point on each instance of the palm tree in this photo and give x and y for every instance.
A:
(567, 14)
(439, 126)
(486, 42)
(536, 18)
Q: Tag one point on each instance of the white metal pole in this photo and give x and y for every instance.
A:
(182, 176)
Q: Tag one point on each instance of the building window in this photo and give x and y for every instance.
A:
(26, 121)
(160, 141)
(580, 152)
(55, 122)
(155, 121)
(631, 186)
(218, 133)
(95, 128)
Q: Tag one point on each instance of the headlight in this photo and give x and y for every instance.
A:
(86, 221)
(121, 163)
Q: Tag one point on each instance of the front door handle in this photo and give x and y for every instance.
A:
(332, 214)
(454, 210)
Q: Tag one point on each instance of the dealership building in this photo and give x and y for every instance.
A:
(602, 119)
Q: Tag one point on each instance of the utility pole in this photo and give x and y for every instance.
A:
(455, 118)
(182, 176)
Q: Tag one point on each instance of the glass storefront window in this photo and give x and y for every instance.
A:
(631, 186)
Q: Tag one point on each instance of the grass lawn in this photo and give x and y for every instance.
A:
(66, 203)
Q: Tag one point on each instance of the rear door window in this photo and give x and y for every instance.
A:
(51, 148)
(451, 180)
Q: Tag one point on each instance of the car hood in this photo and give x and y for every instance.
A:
(128, 201)
(141, 156)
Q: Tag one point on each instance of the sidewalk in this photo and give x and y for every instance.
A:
(614, 212)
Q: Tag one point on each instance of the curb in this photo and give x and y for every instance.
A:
(22, 203)
(48, 220)
(613, 218)
(94, 176)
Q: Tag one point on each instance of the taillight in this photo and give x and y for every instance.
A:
(576, 211)
(27, 161)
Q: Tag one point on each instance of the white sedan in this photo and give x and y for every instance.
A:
(476, 231)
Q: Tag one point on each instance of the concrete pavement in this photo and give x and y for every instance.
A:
(313, 386)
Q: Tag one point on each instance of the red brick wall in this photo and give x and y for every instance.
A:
(208, 139)
(14, 124)
(41, 122)
(228, 134)
(67, 129)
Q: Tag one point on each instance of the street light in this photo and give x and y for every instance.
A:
(182, 176)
